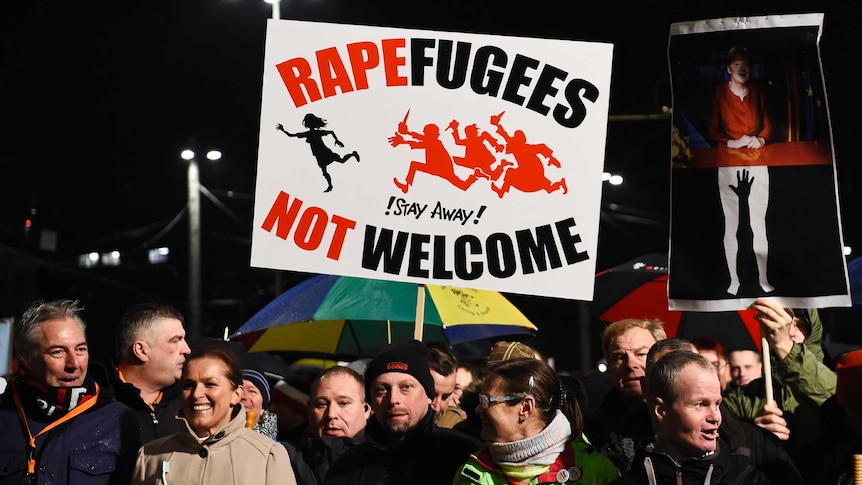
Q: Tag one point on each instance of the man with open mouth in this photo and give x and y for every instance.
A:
(59, 421)
(683, 396)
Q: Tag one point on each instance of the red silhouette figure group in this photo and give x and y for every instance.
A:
(476, 152)
(526, 173)
(437, 159)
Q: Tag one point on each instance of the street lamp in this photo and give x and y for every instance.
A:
(276, 11)
(194, 208)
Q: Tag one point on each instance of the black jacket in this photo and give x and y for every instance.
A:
(616, 426)
(95, 447)
(761, 447)
(428, 455)
(311, 458)
(828, 460)
(153, 423)
(746, 454)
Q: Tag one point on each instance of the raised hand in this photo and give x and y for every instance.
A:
(775, 322)
(495, 119)
(743, 184)
(396, 140)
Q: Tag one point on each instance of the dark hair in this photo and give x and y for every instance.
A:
(441, 358)
(666, 346)
(547, 388)
(219, 351)
(312, 121)
(708, 342)
(736, 52)
(470, 367)
(662, 375)
(36, 314)
(137, 322)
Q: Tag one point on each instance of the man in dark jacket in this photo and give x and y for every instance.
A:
(337, 415)
(761, 446)
(402, 443)
(620, 416)
(151, 350)
(59, 421)
(683, 399)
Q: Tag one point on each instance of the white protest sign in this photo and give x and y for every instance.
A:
(432, 157)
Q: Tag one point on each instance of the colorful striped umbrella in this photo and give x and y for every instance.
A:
(347, 316)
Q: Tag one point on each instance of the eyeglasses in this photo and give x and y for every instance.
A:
(488, 401)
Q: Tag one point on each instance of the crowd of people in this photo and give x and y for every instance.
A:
(677, 411)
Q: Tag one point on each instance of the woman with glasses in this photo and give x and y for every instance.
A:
(532, 428)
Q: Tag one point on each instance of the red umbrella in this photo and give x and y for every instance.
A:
(638, 289)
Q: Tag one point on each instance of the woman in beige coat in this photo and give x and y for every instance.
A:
(217, 448)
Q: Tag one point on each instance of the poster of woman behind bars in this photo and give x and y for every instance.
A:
(754, 204)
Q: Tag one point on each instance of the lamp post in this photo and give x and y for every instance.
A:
(194, 209)
(276, 10)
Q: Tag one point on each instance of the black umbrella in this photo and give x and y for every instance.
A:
(638, 289)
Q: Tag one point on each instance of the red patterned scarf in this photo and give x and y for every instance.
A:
(53, 402)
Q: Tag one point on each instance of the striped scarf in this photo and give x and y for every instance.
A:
(530, 457)
(52, 402)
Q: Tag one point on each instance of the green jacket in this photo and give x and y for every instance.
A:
(801, 382)
(594, 467)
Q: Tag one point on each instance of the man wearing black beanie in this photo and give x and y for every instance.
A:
(409, 357)
(403, 445)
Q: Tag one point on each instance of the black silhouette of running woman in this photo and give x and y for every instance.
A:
(314, 137)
